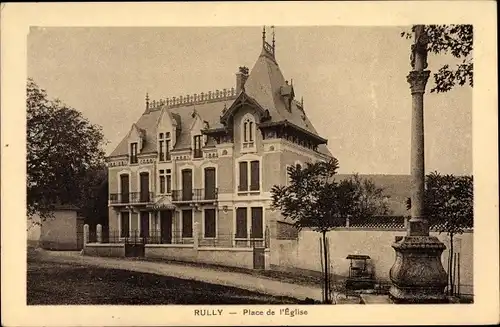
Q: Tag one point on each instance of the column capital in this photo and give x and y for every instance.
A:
(418, 80)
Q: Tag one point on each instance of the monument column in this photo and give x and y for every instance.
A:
(418, 275)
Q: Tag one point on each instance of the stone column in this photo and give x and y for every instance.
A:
(99, 233)
(418, 275)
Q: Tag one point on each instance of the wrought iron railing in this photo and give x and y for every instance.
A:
(221, 240)
(131, 197)
(194, 195)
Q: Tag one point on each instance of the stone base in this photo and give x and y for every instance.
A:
(418, 275)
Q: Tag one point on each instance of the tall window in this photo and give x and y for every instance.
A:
(257, 228)
(133, 153)
(249, 176)
(197, 147)
(165, 181)
(210, 223)
(248, 132)
(164, 146)
(255, 224)
(241, 223)
(124, 224)
(187, 223)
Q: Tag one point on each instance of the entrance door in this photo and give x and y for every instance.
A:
(209, 183)
(144, 197)
(125, 192)
(187, 185)
(166, 226)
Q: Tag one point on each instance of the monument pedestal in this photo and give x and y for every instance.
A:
(417, 274)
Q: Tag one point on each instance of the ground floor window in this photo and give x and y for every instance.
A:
(187, 223)
(255, 224)
(124, 224)
(257, 229)
(241, 223)
(144, 224)
(210, 223)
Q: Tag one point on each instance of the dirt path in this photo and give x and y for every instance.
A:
(234, 279)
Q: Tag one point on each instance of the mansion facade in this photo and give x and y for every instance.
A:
(209, 161)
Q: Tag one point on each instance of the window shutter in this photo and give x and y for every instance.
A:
(243, 176)
(255, 178)
(257, 223)
(210, 224)
(241, 222)
(187, 223)
(124, 224)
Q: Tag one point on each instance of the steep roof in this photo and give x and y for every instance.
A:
(209, 112)
(264, 84)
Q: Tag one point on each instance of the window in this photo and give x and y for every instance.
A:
(241, 222)
(210, 223)
(133, 153)
(164, 146)
(249, 172)
(187, 223)
(257, 230)
(255, 225)
(197, 147)
(124, 224)
(165, 181)
(243, 176)
(248, 132)
(144, 224)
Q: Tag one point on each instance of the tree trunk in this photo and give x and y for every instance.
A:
(325, 254)
(450, 265)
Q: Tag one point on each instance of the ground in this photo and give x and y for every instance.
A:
(70, 283)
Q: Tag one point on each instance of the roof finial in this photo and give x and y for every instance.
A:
(264, 34)
(147, 100)
(302, 102)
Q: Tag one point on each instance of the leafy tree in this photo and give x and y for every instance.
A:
(314, 199)
(62, 148)
(458, 41)
(448, 207)
(369, 199)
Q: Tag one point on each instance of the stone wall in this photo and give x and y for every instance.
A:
(303, 253)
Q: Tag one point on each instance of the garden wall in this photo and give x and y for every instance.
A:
(303, 253)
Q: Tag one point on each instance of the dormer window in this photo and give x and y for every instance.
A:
(248, 133)
(164, 146)
(133, 153)
(197, 153)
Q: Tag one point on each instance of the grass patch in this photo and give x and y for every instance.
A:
(50, 283)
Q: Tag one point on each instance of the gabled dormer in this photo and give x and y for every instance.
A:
(167, 131)
(198, 140)
(136, 139)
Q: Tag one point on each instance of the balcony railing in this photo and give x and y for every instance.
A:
(194, 195)
(132, 197)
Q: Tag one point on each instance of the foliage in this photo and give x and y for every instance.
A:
(458, 41)
(448, 202)
(62, 148)
(314, 199)
(370, 199)
(94, 199)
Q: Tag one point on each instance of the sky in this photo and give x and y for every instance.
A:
(352, 79)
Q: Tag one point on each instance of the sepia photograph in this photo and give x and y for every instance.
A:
(221, 167)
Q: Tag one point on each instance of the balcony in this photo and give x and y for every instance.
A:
(195, 195)
(131, 198)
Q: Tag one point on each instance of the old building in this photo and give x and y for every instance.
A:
(211, 159)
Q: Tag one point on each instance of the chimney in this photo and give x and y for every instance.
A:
(241, 78)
